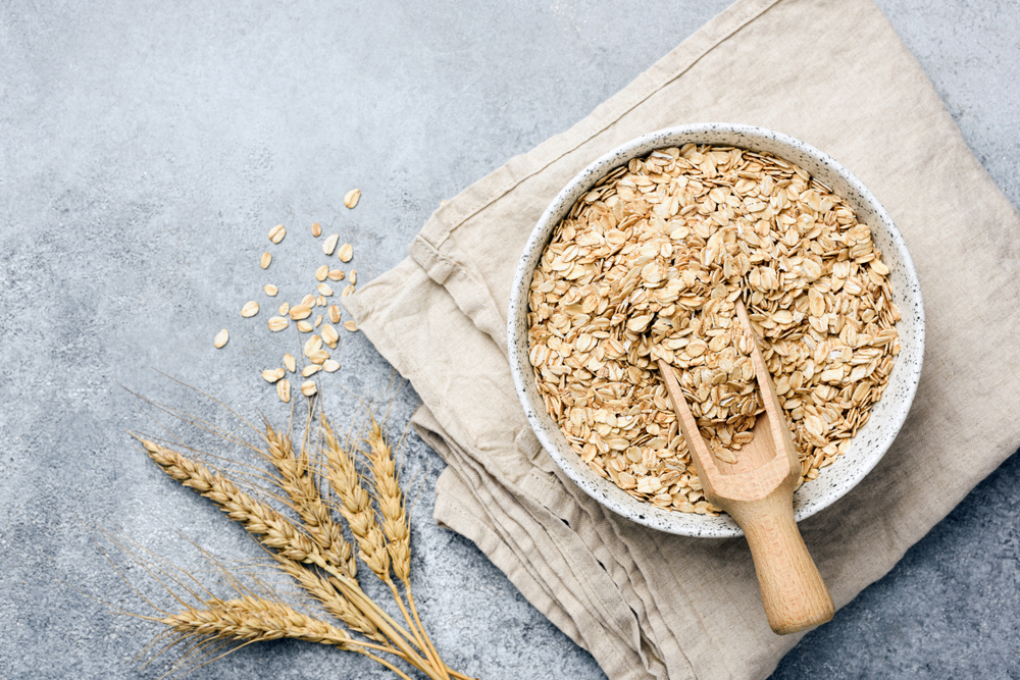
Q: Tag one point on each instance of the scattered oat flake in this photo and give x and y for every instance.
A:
(329, 245)
(250, 309)
(350, 325)
(334, 314)
(352, 197)
(318, 356)
(270, 290)
(300, 312)
(310, 370)
(284, 309)
(308, 388)
(354, 277)
(336, 275)
(221, 339)
(289, 362)
(346, 252)
(347, 291)
(316, 229)
(283, 391)
(305, 327)
(318, 320)
(265, 260)
(331, 365)
(321, 272)
(324, 289)
(311, 344)
(271, 375)
(277, 233)
(320, 301)
(330, 336)
(308, 301)
(278, 323)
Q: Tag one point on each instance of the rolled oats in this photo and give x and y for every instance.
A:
(352, 197)
(648, 264)
(283, 391)
(271, 375)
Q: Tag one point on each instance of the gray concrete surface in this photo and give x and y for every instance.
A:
(145, 149)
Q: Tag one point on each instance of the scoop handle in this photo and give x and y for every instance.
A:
(792, 590)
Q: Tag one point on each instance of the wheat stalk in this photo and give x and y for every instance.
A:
(252, 618)
(355, 505)
(391, 502)
(397, 530)
(271, 528)
(299, 483)
(313, 552)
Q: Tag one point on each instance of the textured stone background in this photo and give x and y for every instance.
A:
(145, 151)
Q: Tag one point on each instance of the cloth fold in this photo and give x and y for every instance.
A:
(647, 604)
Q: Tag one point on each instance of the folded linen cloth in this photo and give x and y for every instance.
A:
(648, 604)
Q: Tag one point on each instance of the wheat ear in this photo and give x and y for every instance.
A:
(332, 601)
(391, 502)
(355, 505)
(253, 619)
(297, 480)
(271, 528)
(398, 532)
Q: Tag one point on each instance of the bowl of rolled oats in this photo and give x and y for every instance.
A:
(642, 257)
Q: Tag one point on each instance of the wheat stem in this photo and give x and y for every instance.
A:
(379, 660)
(410, 623)
(380, 619)
(428, 641)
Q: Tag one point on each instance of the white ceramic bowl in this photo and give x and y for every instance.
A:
(871, 442)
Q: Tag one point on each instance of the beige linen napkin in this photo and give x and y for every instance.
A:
(651, 605)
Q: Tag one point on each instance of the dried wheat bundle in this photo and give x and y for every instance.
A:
(325, 481)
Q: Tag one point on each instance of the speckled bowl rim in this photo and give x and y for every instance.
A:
(872, 441)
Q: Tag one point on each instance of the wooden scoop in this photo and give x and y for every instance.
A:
(757, 491)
